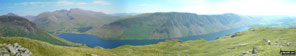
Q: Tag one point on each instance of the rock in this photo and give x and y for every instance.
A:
(288, 44)
(4, 44)
(16, 50)
(180, 45)
(246, 52)
(187, 54)
(93, 55)
(264, 39)
(11, 49)
(2, 50)
(240, 45)
(254, 50)
(230, 48)
(269, 42)
(243, 53)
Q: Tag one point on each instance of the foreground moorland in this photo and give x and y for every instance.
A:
(250, 42)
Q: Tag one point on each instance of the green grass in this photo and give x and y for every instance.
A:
(242, 42)
(137, 32)
(14, 26)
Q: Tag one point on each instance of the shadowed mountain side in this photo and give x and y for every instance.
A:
(15, 26)
(166, 25)
(71, 21)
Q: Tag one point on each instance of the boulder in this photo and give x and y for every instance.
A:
(11, 49)
(264, 39)
(269, 42)
(289, 43)
(93, 55)
(254, 50)
(16, 50)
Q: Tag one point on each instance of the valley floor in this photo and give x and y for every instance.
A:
(250, 42)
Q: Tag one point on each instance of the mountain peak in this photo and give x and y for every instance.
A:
(11, 14)
(62, 10)
(75, 9)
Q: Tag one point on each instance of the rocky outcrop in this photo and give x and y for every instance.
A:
(14, 49)
(254, 51)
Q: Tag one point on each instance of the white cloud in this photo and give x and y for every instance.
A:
(64, 3)
(145, 5)
(36, 3)
(54, 3)
(81, 3)
(247, 7)
(101, 2)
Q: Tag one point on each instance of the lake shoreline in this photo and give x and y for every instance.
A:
(94, 41)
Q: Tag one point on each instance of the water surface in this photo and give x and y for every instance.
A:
(93, 41)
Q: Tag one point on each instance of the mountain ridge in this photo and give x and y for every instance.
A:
(16, 26)
(164, 25)
(71, 21)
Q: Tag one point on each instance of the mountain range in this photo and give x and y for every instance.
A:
(71, 21)
(167, 25)
(159, 25)
(145, 26)
(38, 33)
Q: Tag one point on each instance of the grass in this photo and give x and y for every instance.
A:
(233, 44)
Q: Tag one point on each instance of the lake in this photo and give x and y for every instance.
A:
(94, 41)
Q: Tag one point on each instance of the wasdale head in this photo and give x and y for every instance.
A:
(147, 27)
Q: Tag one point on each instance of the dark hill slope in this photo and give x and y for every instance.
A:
(15, 26)
(169, 25)
(71, 21)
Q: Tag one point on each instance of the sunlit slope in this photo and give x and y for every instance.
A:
(39, 48)
(241, 43)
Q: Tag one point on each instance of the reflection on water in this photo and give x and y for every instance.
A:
(93, 41)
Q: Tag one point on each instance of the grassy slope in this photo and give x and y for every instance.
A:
(242, 42)
(40, 48)
(14, 26)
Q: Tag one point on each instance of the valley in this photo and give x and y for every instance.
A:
(240, 43)
(135, 35)
(147, 28)
(94, 41)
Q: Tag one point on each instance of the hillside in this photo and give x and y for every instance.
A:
(15, 26)
(71, 21)
(167, 25)
(250, 42)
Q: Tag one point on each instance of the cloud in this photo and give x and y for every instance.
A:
(246, 7)
(54, 3)
(101, 2)
(145, 5)
(81, 3)
(36, 3)
(64, 3)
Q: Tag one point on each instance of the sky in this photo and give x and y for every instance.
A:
(244, 7)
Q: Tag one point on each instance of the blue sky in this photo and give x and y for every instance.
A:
(245, 7)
